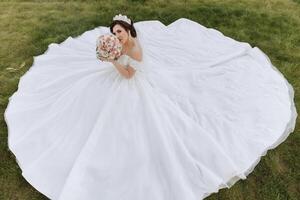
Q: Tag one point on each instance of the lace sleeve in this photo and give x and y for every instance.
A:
(134, 63)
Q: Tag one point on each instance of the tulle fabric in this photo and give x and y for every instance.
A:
(197, 116)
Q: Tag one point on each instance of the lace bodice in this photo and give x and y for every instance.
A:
(127, 60)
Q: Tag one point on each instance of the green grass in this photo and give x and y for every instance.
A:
(28, 27)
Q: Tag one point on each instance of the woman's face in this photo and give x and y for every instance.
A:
(121, 33)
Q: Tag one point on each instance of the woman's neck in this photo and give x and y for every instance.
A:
(129, 44)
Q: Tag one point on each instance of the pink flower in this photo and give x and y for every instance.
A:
(108, 46)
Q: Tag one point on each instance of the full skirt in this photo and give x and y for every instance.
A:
(196, 117)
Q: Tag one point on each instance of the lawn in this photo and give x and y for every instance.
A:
(28, 27)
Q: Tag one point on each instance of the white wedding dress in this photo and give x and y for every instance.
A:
(197, 116)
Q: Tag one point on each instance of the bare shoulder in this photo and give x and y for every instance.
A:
(136, 52)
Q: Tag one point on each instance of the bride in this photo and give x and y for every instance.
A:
(123, 28)
(184, 112)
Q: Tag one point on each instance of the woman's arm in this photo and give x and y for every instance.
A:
(127, 72)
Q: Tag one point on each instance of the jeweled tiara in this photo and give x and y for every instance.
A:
(122, 18)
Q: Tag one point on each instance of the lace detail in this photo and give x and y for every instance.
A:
(123, 59)
(127, 60)
(134, 63)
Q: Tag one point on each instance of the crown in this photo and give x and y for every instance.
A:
(122, 18)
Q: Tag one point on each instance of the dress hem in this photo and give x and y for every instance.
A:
(290, 127)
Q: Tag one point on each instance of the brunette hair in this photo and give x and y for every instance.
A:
(125, 25)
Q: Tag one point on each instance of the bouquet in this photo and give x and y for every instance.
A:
(108, 47)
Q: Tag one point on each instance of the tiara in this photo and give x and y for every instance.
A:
(122, 18)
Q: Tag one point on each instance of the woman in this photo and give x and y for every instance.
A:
(126, 33)
(184, 112)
